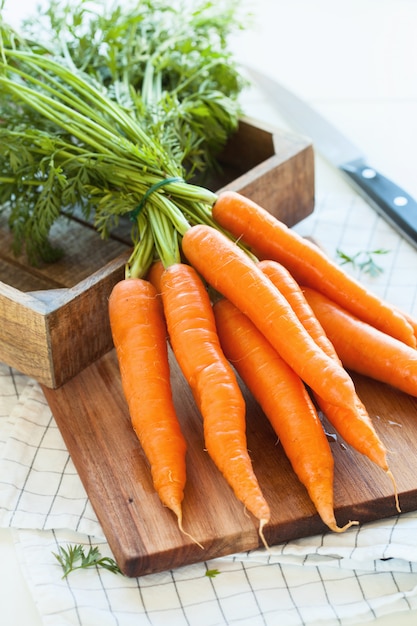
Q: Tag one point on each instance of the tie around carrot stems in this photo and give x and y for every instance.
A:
(195, 343)
(232, 273)
(140, 339)
(286, 403)
(272, 239)
(363, 348)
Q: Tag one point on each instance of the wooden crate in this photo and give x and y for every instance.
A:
(53, 319)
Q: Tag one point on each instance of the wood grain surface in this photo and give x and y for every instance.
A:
(92, 415)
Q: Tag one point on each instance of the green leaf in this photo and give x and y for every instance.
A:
(212, 573)
(363, 261)
(74, 557)
(110, 102)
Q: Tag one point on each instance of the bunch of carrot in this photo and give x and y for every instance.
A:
(290, 322)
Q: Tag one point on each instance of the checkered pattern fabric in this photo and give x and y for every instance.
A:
(326, 580)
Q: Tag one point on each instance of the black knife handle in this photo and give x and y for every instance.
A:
(389, 200)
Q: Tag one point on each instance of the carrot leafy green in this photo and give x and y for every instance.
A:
(113, 107)
(74, 557)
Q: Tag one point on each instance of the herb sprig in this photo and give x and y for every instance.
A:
(212, 573)
(74, 557)
(363, 261)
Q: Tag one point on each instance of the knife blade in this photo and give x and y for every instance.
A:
(390, 201)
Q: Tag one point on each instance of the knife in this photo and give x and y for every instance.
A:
(392, 202)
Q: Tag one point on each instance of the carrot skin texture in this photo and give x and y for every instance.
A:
(154, 274)
(354, 425)
(195, 343)
(363, 348)
(140, 338)
(290, 289)
(229, 270)
(411, 320)
(272, 239)
(286, 403)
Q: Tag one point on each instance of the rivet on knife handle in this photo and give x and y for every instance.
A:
(387, 198)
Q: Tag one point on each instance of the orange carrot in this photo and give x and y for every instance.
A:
(353, 424)
(286, 403)
(140, 339)
(363, 348)
(411, 320)
(195, 343)
(229, 270)
(271, 239)
(154, 274)
(290, 289)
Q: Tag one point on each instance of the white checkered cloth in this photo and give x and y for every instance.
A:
(327, 580)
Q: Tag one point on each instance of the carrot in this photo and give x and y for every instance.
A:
(290, 289)
(195, 343)
(154, 274)
(353, 424)
(140, 339)
(411, 320)
(271, 239)
(231, 272)
(363, 348)
(286, 403)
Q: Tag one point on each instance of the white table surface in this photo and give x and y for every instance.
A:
(356, 62)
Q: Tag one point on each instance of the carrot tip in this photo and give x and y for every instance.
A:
(397, 500)
(262, 523)
(180, 526)
(341, 529)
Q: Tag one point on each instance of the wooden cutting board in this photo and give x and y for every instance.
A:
(92, 415)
